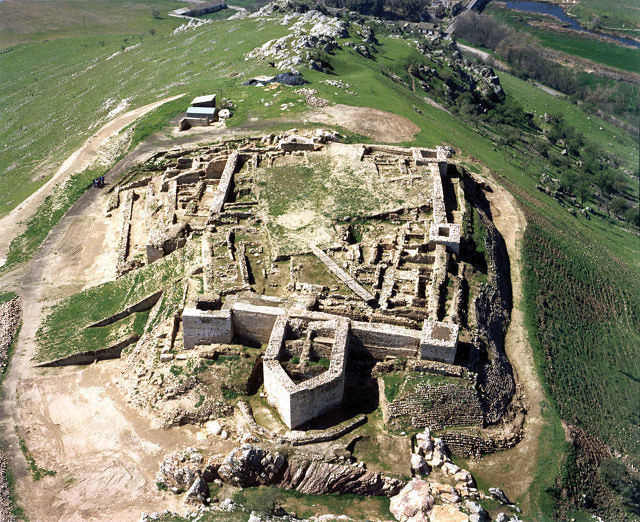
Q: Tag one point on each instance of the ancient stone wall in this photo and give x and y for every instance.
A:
(439, 341)
(254, 323)
(205, 327)
(125, 229)
(381, 340)
(436, 407)
(465, 445)
(438, 282)
(343, 275)
(299, 403)
(207, 267)
(224, 186)
(493, 312)
(439, 209)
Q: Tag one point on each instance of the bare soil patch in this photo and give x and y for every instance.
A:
(373, 123)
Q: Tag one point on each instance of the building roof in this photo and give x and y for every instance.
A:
(207, 98)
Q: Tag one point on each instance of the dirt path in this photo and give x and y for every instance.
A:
(75, 420)
(514, 469)
(13, 223)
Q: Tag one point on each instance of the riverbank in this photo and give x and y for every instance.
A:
(566, 21)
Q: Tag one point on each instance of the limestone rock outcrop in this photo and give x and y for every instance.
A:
(251, 466)
(319, 477)
(413, 503)
(179, 469)
(198, 492)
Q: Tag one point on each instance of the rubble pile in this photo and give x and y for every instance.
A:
(441, 490)
(10, 317)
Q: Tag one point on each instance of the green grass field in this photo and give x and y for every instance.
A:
(618, 14)
(64, 331)
(583, 46)
(24, 21)
(582, 288)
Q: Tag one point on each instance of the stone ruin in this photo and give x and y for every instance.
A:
(394, 293)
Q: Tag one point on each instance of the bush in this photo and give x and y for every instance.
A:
(617, 477)
(524, 53)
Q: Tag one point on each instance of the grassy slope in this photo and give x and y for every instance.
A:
(614, 13)
(23, 21)
(88, 80)
(64, 332)
(595, 130)
(598, 259)
(573, 44)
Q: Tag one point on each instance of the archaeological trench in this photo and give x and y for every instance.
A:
(310, 297)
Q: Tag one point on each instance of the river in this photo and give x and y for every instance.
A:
(557, 12)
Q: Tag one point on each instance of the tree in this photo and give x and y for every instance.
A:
(632, 215)
(152, 31)
(155, 13)
(618, 206)
(582, 191)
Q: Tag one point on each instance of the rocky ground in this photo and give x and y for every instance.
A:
(439, 490)
(10, 316)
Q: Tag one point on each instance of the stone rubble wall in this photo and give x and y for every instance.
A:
(467, 446)
(224, 186)
(493, 313)
(143, 182)
(188, 177)
(438, 282)
(125, 229)
(333, 433)
(243, 269)
(437, 368)
(437, 407)
(10, 318)
(208, 276)
(402, 151)
(439, 209)
(172, 197)
(343, 275)
(113, 202)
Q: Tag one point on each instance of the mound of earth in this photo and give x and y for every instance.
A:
(372, 123)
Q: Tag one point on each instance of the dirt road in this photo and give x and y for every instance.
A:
(515, 468)
(13, 223)
(75, 420)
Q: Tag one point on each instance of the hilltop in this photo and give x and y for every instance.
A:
(543, 193)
